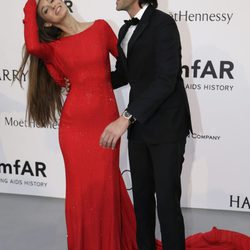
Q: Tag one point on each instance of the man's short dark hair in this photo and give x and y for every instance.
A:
(154, 3)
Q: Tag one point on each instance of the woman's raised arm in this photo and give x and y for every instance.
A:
(31, 36)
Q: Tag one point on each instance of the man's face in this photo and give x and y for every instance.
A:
(125, 4)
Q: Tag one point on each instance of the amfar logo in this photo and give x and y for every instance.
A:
(187, 16)
(10, 75)
(223, 70)
(239, 202)
(38, 169)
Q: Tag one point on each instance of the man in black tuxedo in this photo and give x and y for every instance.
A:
(157, 118)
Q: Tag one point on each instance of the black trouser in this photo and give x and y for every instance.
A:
(156, 169)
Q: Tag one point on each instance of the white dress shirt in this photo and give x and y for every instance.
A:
(125, 41)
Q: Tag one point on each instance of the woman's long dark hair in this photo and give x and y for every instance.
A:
(44, 96)
(154, 3)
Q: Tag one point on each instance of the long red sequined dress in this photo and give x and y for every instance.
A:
(99, 213)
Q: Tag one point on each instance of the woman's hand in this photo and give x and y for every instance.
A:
(67, 85)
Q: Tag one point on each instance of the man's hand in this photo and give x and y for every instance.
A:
(67, 85)
(113, 132)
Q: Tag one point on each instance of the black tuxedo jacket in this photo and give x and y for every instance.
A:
(157, 97)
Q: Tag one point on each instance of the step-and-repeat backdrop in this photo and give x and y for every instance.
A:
(216, 69)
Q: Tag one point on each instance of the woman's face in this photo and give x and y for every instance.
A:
(52, 11)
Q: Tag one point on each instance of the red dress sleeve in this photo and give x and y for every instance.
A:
(55, 74)
(112, 40)
(33, 45)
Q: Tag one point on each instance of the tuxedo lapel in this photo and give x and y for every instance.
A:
(140, 27)
(121, 35)
(138, 31)
(122, 56)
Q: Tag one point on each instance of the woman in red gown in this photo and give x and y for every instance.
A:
(99, 213)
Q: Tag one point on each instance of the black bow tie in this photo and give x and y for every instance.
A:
(132, 21)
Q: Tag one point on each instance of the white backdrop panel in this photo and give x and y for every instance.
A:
(216, 72)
